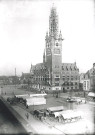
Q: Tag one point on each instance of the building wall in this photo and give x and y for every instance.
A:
(65, 79)
(88, 80)
(86, 85)
(92, 82)
(70, 76)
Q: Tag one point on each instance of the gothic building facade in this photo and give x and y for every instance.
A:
(52, 73)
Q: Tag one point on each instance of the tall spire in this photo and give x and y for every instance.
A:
(53, 23)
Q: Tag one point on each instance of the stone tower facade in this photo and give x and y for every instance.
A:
(54, 49)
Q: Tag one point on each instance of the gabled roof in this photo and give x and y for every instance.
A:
(39, 66)
(69, 66)
(25, 75)
(91, 94)
(90, 71)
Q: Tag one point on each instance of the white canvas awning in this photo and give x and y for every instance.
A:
(71, 114)
(55, 109)
(66, 116)
(38, 95)
(24, 95)
(35, 101)
(91, 94)
(58, 113)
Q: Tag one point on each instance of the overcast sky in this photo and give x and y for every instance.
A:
(23, 26)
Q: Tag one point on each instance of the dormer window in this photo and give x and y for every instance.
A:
(70, 68)
(75, 68)
(67, 68)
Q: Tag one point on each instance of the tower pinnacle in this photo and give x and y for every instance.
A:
(53, 23)
(60, 36)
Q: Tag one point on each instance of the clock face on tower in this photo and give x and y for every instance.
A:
(56, 44)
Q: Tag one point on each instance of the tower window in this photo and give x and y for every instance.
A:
(56, 44)
(56, 79)
(56, 66)
(56, 84)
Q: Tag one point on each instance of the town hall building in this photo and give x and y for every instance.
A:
(52, 74)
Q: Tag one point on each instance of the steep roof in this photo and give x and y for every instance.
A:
(90, 71)
(25, 75)
(69, 66)
(87, 74)
(39, 66)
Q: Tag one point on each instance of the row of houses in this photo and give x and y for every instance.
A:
(88, 79)
(10, 80)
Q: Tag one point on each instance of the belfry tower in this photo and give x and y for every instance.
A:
(53, 49)
(52, 74)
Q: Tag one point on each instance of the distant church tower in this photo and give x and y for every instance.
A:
(53, 48)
